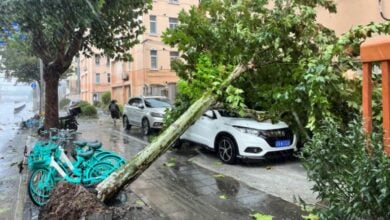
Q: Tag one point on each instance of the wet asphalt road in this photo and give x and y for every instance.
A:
(179, 189)
(174, 187)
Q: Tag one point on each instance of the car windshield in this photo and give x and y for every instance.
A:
(157, 103)
(226, 113)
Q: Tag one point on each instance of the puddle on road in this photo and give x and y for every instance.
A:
(228, 186)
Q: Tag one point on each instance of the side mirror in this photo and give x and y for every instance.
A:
(140, 106)
(209, 114)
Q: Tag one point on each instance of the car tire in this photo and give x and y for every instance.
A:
(126, 124)
(226, 149)
(145, 127)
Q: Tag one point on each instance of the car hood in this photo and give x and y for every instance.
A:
(158, 110)
(251, 123)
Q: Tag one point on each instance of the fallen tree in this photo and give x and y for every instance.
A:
(133, 168)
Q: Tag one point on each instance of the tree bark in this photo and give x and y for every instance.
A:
(133, 168)
(51, 98)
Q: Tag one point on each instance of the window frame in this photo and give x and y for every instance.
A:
(154, 23)
(153, 57)
(97, 76)
(97, 59)
(173, 25)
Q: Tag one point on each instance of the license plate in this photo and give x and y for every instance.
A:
(282, 143)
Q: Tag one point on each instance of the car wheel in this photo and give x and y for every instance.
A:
(145, 127)
(227, 149)
(126, 124)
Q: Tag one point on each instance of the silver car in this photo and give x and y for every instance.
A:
(146, 112)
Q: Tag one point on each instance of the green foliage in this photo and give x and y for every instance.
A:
(57, 31)
(120, 108)
(352, 184)
(87, 109)
(296, 65)
(64, 102)
(97, 104)
(106, 98)
(18, 59)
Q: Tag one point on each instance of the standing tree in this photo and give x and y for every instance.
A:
(59, 29)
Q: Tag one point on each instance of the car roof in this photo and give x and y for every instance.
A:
(148, 97)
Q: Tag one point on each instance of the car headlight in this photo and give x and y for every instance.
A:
(247, 130)
(157, 115)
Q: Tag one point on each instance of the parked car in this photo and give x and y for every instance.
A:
(232, 136)
(146, 112)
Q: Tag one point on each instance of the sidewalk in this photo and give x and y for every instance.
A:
(13, 184)
(178, 189)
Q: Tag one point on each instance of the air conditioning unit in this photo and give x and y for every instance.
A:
(125, 76)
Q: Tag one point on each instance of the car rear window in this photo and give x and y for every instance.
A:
(157, 103)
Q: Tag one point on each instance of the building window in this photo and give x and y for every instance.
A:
(173, 22)
(153, 24)
(97, 80)
(108, 61)
(108, 78)
(97, 59)
(174, 1)
(174, 55)
(153, 59)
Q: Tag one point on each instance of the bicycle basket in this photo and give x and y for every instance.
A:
(39, 157)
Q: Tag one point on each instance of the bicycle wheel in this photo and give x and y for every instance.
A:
(40, 184)
(97, 173)
(115, 160)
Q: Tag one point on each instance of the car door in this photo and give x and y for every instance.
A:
(132, 108)
(204, 129)
(138, 112)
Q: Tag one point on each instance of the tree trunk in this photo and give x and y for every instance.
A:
(133, 168)
(51, 98)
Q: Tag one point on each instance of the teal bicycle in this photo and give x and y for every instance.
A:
(50, 164)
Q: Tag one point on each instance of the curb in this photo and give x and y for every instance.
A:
(22, 187)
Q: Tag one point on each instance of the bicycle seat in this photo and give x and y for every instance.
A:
(86, 154)
(94, 145)
(80, 143)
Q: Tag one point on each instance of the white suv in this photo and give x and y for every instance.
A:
(146, 112)
(232, 136)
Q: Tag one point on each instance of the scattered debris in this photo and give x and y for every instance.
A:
(20, 165)
(170, 162)
(70, 201)
(268, 167)
(259, 216)
(218, 163)
(223, 197)
(218, 175)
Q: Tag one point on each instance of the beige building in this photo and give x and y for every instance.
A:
(95, 77)
(150, 72)
(353, 12)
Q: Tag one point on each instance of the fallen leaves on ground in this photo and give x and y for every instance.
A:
(259, 216)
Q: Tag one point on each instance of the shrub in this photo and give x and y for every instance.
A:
(351, 183)
(106, 98)
(88, 110)
(83, 104)
(64, 102)
(120, 108)
(97, 104)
